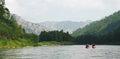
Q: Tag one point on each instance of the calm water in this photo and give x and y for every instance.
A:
(63, 52)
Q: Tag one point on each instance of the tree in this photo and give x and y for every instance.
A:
(4, 12)
(2, 2)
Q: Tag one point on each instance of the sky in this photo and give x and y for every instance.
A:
(62, 10)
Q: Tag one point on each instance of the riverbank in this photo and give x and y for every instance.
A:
(11, 44)
(24, 43)
(8, 44)
(51, 43)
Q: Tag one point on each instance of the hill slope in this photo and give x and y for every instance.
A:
(101, 27)
(11, 34)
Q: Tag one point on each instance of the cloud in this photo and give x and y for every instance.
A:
(79, 3)
(40, 10)
(13, 6)
(16, 6)
(28, 9)
(118, 4)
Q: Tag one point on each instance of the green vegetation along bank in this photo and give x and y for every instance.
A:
(11, 34)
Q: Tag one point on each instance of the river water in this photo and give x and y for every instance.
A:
(63, 52)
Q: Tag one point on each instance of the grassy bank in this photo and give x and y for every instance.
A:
(51, 43)
(7, 44)
(15, 43)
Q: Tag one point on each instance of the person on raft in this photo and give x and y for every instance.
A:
(87, 45)
(93, 46)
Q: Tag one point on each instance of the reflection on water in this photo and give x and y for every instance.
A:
(62, 52)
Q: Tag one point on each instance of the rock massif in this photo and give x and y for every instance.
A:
(29, 26)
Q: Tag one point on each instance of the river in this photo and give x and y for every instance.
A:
(63, 52)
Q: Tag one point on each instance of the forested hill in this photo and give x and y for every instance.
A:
(111, 38)
(10, 31)
(103, 26)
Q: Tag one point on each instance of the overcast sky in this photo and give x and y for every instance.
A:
(63, 10)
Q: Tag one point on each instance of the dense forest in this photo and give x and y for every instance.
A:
(12, 34)
(109, 38)
(105, 31)
(55, 36)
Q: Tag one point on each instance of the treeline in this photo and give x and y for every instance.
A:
(109, 38)
(55, 36)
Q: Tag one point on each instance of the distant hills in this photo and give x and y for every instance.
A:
(69, 26)
(36, 28)
(105, 25)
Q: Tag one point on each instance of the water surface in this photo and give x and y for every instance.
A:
(63, 52)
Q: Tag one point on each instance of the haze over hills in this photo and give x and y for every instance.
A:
(69, 26)
(28, 26)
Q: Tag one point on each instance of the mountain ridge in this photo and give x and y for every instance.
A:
(67, 26)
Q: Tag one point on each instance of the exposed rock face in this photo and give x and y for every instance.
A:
(28, 26)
